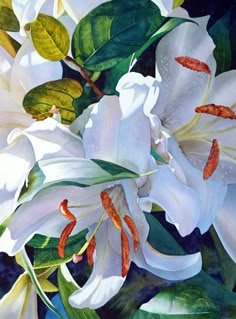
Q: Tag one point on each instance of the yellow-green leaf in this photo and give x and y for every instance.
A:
(50, 37)
(8, 43)
(60, 93)
(47, 285)
(8, 20)
(177, 3)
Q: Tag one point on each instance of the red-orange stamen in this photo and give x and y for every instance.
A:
(125, 252)
(64, 236)
(110, 209)
(132, 227)
(193, 64)
(212, 161)
(90, 251)
(65, 211)
(217, 110)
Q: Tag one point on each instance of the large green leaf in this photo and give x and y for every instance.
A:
(48, 257)
(179, 302)
(71, 171)
(50, 37)
(124, 66)
(60, 93)
(8, 20)
(67, 286)
(220, 32)
(113, 31)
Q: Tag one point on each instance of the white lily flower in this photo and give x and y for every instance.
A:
(109, 210)
(21, 301)
(187, 137)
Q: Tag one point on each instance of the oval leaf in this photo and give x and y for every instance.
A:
(8, 20)
(60, 93)
(8, 43)
(182, 301)
(113, 31)
(50, 37)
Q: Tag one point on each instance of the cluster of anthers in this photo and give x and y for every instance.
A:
(90, 245)
(220, 111)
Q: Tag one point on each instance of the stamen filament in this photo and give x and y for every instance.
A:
(110, 209)
(125, 253)
(132, 227)
(85, 246)
(64, 236)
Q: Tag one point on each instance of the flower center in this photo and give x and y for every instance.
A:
(107, 202)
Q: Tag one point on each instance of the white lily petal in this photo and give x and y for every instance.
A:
(21, 301)
(42, 215)
(78, 9)
(26, 11)
(180, 202)
(14, 168)
(182, 89)
(25, 74)
(136, 90)
(210, 127)
(6, 61)
(210, 193)
(123, 131)
(50, 137)
(225, 222)
(105, 280)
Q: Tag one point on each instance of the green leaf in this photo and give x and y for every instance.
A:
(67, 286)
(50, 37)
(80, 172)
(182, 301)
(8, 20)
(113, 31)
(124, 66)
(35, 282)
(60, 93)
(40, 241)
(220, 32)
(8, 43)
(48, 257)
(177, 3)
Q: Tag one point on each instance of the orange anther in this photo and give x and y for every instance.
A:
(90, 251)
(110, 209)
(193, 64)
(217, 110)
(64, 236)
(125, 253)
(65, 211)
(212, 161)
(132, 227)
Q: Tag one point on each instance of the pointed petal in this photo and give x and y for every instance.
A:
(181, 89)
(180, 202)
(123, 131)
(25, 74)
(50, 138)
(210, 127)
(105, 280)
(6, 62)
(20, 301)
(211, 193)
(14, 168)
(26, 11)
(164, 6)
(42, 215)
(78, 11)
(168, 267)
(225, 222)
